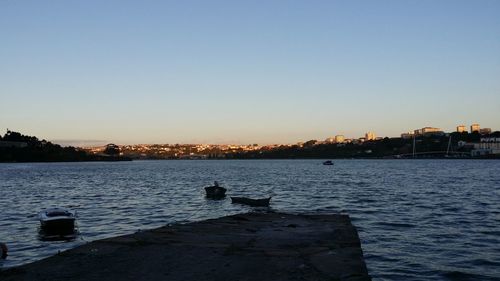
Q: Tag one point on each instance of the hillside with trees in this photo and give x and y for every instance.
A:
(16, 147)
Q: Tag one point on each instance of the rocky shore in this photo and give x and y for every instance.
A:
(252, 246)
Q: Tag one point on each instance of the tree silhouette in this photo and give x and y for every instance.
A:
(112, 150)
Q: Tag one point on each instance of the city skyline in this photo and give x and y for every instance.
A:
(262, 72)
(332, 138)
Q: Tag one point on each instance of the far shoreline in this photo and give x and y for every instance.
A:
(262, 159)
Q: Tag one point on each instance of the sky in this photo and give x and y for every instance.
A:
(246, 71)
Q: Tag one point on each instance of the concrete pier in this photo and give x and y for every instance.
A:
(252, 246)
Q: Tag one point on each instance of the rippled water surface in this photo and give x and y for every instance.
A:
(417, 219)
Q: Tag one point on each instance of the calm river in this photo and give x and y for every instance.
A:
(417, 219)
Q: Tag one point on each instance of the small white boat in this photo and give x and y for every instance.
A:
(57, 221)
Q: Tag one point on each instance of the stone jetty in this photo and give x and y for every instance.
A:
(251, 246)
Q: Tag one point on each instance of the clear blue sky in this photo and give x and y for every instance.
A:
(246, 71)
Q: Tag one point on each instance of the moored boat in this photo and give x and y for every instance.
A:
(264, 202)
(57, 221)
(3, 251)
(328, 162)
(215, 191)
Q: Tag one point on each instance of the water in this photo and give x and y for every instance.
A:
(417, 219)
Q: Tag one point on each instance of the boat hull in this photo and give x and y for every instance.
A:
(57, 221)
(251, 202)
(215, 192)
(61, 226)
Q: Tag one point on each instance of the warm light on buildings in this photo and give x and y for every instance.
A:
(461, 129)
(485, 131)
(407, 135)
(370, 136)
(474, 128)
(339, 138)
(427, 130)
(330, 140)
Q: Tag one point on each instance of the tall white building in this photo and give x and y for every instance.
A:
(474, 128)
(339, 138)
(370, 136)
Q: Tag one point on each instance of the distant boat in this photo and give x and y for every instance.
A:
(328, 162)
(3, 251)
(251, 202)
(58, 221)
(215, 191)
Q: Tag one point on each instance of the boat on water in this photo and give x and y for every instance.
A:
(264, 202)
(328, 163)
(3, 251)
(215, 191)
(60, 221)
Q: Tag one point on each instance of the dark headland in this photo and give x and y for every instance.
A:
(252, 246)
(16, 147)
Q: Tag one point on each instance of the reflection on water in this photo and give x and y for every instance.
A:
(417, 219)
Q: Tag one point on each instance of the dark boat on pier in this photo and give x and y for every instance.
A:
(215, 191)
(251, 202)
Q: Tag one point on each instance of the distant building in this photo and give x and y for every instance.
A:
(474, 128)
(461, 129)
(370, 136)
(408, 135)
(490, 140)
(428, 131)
(339, 139)
(485, 131)
(486, 146)
(330, 140)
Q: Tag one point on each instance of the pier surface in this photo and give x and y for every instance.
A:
(252, 246)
